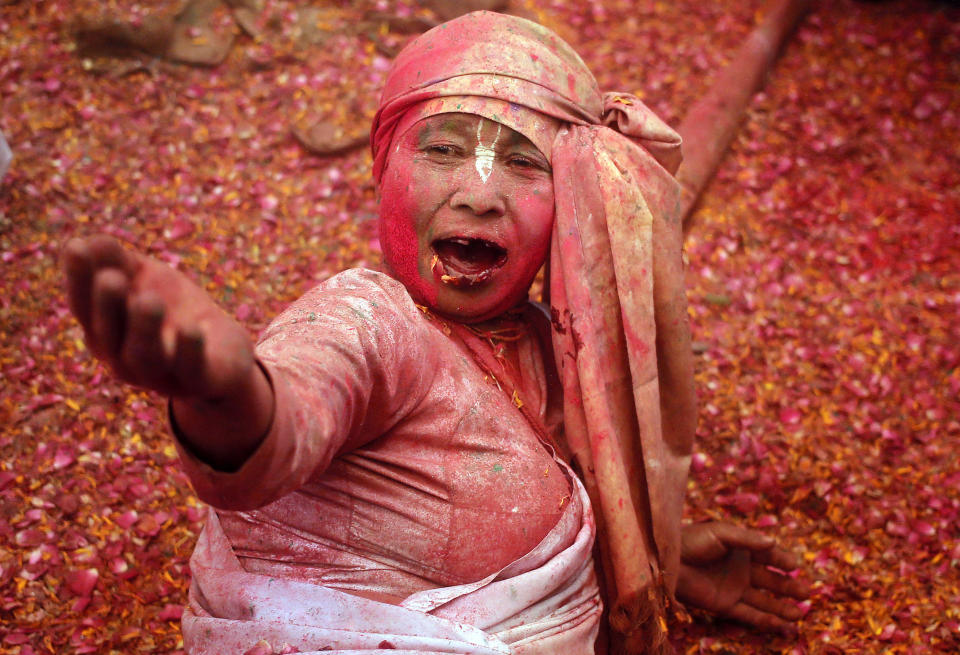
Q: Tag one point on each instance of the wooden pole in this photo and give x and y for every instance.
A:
(712, 122)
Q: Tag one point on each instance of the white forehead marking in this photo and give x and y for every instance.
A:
(484, 154)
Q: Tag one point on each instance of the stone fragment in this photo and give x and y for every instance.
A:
(325, 138)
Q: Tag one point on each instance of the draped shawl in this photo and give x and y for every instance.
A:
(620, 329)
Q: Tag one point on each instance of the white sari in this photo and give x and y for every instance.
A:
(546, 602)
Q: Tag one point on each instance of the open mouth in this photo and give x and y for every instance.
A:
(465, 262)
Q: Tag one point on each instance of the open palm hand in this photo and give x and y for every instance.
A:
(740, 574)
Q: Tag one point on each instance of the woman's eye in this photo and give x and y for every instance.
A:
(442, 149)
(526, 163)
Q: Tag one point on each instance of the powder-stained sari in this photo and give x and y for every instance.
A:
(621, 342)
(620, 330)
(544, 603)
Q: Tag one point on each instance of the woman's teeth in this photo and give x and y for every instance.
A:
(464, 261)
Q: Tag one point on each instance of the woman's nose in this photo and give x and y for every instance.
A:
(480, 188)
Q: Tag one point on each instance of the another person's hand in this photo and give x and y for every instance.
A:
(157, 329)
(740, 574)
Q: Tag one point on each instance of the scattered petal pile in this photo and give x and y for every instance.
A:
(824, 286)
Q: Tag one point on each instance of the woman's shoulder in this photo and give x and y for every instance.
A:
(356, 298)
(376, 290)
(364, 281)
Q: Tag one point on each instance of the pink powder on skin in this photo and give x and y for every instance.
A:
(400, 243)
(424, 197)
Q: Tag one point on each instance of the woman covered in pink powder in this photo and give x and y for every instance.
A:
(423, 460)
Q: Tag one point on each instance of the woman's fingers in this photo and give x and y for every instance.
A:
(778, 558)
(78, 270)
(106, 252)
(758, 618)
(706, 542)
(763, 578)
(189, 364)
(770, 603)
(83, 262)
(143, 319)
(735, 536)
(144, 355)
(108, 319)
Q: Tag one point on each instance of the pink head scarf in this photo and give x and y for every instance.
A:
(524, 65)
(620, 331)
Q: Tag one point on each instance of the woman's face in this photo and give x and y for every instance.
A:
(466, 213)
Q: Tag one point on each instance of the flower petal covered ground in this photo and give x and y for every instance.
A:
(824, 285)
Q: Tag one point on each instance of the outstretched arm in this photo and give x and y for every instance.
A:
(741, 574)
(158, 330)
